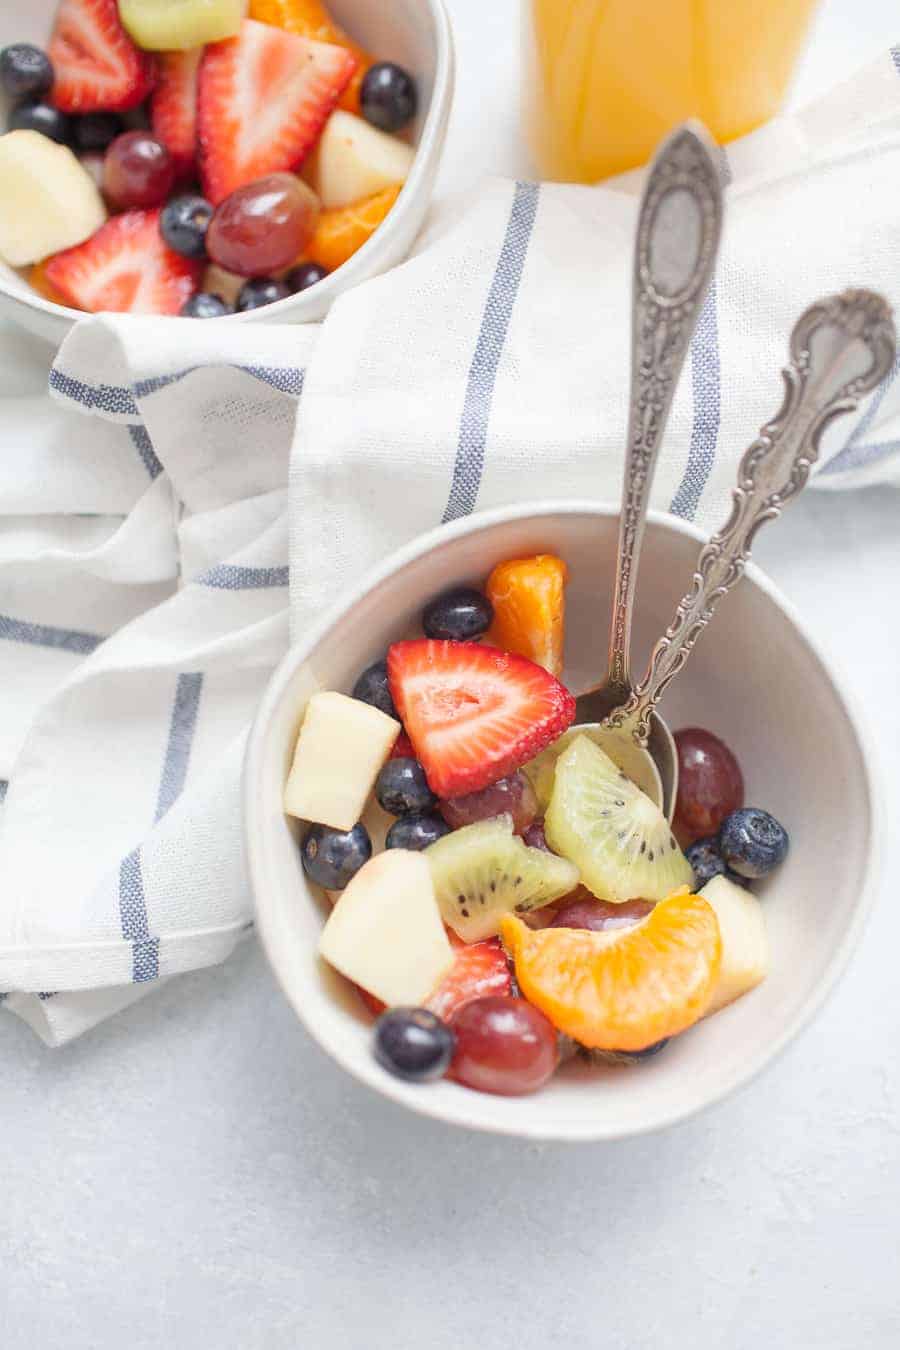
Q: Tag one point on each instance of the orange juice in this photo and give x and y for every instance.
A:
(606, 79)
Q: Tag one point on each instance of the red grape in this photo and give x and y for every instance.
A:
(512, 796)
(503, 1045)
(535, 837)
(263, 226)
(710, 784)
(137, 171)
(584, 911)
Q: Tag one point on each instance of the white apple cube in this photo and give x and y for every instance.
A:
(745, 943)
(385, 932)
(341, 747)
(48, 202)
(354, 159)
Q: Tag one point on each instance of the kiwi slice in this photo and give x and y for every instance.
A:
(483, 871)
(619, 840)
(541, 771)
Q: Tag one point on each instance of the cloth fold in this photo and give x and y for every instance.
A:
(178, 501)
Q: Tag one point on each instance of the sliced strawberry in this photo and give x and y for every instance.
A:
(264, 96)
(125, 267)
(474, 714)
(479, 969)
(97, 67)
(173, 108)
(402, 747)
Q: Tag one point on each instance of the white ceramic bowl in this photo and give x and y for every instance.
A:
(756, 679)
(415, 33)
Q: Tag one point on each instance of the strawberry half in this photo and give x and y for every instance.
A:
(125, 267)
(474, 714)
(264, 97)
(97, 67)
(479, 969)
(173, 108)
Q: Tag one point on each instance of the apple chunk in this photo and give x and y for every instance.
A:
(385, 932)
(48, 201)
(343, 743)
(745, 944)
(355, 160)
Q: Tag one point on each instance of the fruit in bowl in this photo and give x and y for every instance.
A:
(196, 158)
(528, 900)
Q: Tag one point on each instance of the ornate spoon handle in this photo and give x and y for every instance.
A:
(840, 349)
(677, 241)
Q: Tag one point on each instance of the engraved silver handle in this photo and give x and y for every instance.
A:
(840, 349)
(679, 226)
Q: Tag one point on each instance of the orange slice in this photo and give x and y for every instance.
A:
(311, 19)
(528, 595)
(344, 229)
(625, 989)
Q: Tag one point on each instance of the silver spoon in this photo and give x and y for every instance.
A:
(679, 226)
(841, 348)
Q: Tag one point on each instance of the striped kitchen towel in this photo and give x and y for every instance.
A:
(154, 559)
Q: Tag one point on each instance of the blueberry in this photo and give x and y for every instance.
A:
(183, 224)
(25, 71)
(416, 831)
(205, 305)
(387, 96)
(402, 788)
(306, 275)
(414, 1044)
(462, 615)
(372, 687)
(648, 1052)
(261, 291)
(752, 842)
(332, 858)
(41, 117)
(706, 860)
(97, 130)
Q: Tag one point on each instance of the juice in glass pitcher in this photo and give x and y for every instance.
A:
(606, 79)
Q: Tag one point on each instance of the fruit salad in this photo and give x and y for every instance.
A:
(503, 897)
(195, 157)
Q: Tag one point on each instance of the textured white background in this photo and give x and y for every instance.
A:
(195, 1174)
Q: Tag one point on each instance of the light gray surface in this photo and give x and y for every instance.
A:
(195, 1174)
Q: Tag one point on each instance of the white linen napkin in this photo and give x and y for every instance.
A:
(146, 550)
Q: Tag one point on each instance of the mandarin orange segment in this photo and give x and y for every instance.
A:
(626, 989)
(344, 229)
(311, 19)
(38, 279)
(528, 595)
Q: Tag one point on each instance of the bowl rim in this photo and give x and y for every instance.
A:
(356, 268)
(259, 865)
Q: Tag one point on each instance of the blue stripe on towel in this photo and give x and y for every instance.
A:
(181, 736)
(105, 398)
(119, 401)
(489, 348)
(133, 918)
(230, 577)
(706, 376)
(287, 379)
(132, 902)
(43, 635)
(895, 56)
(706, 381)
(140, 438)
(854, 455)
